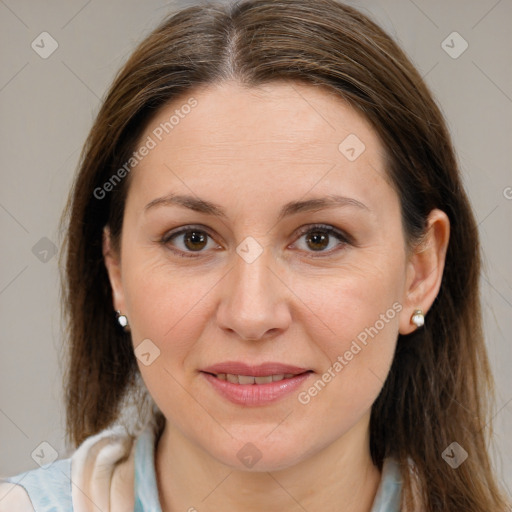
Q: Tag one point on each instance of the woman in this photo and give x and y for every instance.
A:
(270, 253)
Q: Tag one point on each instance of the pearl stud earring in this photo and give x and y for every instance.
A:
(417, 318)
(122, 320)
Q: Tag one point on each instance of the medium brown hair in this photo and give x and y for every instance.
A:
(439, 388)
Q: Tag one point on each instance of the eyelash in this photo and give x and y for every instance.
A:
(331, 231)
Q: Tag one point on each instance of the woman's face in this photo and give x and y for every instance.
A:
(282, 253)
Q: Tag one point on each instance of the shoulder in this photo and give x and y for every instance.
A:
(14, 498)
(49, 488)
(16, 493)
(25, 491)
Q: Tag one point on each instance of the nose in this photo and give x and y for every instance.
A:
(255, 300)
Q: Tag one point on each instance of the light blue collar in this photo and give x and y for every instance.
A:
(146, 490)
(389, 492)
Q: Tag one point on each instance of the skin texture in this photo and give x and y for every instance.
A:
(301, 302)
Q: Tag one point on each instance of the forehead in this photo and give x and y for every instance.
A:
(267, 135)
(232, 113)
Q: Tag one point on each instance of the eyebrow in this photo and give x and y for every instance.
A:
(291, 208)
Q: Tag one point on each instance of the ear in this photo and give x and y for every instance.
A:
(425, 269)
(113, 264)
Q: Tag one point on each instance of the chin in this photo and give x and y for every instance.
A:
(252, 459)
(260, 453)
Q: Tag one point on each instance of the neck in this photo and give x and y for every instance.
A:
(342, 476)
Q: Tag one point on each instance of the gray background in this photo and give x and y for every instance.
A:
(47, 107)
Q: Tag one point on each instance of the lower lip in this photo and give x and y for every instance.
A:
(256, 394)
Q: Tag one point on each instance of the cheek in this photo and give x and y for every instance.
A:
(168, 308)
(357, 297)
(158, 294)
(356, 327)
(166, 304)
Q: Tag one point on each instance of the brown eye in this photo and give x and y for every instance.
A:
(195, 240)
(317, 240)
(187, 240)
(319, 237)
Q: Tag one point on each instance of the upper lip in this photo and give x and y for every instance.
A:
(260, 370)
